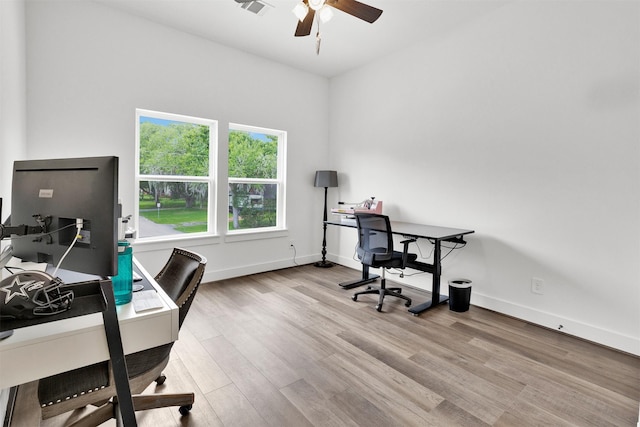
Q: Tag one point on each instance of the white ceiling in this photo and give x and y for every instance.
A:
(347, 42)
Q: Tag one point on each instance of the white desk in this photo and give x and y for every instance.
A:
(50, 348)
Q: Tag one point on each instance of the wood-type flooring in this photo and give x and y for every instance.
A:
(290, 348)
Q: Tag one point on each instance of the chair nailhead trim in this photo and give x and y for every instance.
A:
(82, 393)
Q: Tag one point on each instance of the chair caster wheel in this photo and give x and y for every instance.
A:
(379, 307)
(407, 304)
(161, 379)
(355, 298)
(184, 410)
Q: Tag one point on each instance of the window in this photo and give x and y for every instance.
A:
(174, 174)
(256, 178)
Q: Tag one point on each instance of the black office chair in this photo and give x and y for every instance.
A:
(94, 385)
(375, 249)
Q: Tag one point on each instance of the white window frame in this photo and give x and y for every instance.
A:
(280, 180)
(211, 179)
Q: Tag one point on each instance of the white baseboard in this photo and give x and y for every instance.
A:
(592, 333)
(211, 276)
(564, 325)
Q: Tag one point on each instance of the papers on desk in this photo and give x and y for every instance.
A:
(342, 211)
(18, 264)
(346, 219)
(146, 300)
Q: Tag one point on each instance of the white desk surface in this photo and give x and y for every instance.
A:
(50, 348)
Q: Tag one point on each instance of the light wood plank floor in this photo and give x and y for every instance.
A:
(290, 348)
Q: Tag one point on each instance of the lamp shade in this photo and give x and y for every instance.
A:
(326, 179)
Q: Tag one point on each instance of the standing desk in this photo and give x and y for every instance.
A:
(436, 235)
(46, 349)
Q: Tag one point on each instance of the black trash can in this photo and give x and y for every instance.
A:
(459, 294)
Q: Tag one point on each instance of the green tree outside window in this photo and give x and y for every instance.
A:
(253, 171)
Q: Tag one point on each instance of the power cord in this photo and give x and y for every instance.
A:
(421, 254)
(79, 225)
(48, 233)
(292, 246)
(451, 249)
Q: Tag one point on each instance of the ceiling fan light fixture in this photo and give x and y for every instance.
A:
(325, 13)
(300, 10)
(316, 4)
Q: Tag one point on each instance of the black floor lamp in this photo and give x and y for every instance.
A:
(325, 179)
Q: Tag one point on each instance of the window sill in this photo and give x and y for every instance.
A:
(164, 242)
(242, 236)
(152, 244)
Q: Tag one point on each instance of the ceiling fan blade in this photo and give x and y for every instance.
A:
(357, 9)
(304, 27)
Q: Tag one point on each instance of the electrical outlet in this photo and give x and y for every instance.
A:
(292, 243)
(537, 285)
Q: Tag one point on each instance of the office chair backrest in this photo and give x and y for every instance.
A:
(180, 278)
(375, 241)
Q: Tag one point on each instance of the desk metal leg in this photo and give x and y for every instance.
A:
(366, 278)
(436, 298)
(116, 352)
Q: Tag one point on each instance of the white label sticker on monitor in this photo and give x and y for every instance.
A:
(46, 193)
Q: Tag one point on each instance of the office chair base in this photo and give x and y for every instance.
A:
(383, 291)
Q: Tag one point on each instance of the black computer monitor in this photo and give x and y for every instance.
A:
(54, 194)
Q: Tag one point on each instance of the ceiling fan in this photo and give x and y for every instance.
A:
(306, 11)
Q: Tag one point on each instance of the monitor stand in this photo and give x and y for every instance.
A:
(5, 334)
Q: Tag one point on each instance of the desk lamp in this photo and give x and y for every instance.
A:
(325, 179)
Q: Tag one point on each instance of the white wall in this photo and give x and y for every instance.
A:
(90, 67)
(522, 125)
(12, 94)
(12, 109)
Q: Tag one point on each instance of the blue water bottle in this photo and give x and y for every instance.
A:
(123, 282)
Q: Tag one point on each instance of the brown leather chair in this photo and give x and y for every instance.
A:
(94, 385)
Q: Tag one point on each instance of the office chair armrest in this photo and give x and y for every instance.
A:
(405, 250)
